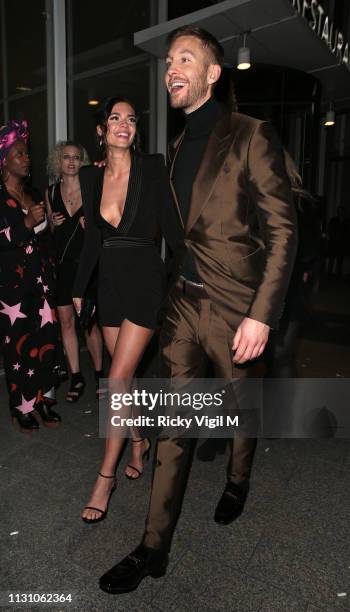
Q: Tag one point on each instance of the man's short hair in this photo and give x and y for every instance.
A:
(208, 41)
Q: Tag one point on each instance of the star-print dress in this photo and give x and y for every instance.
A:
(29, 332)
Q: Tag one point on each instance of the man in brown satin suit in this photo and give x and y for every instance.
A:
(233, 256)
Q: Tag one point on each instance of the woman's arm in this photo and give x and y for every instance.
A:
(92, 239)
(14, 235)
(49, 210)
(88, 260)
(167, 216)
(15, 229)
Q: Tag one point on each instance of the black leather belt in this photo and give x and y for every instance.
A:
(191, 289)
(126, 241)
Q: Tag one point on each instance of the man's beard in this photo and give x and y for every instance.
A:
(197, 90)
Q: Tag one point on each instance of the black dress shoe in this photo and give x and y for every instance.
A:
(128, 573)
(49, 417)
(26, 422)
(231, 503)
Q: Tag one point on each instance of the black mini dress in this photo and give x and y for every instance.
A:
(131, 273)
(69, 241)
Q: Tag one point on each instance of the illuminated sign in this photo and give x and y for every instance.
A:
(318, 21)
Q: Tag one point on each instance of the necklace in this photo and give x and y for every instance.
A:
(70, 198)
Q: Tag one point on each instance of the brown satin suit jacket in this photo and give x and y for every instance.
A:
(241, 226)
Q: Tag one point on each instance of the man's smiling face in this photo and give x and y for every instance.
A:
(190, 74)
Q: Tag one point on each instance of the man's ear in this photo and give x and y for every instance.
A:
(214, 72)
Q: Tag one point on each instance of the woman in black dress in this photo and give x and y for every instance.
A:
(28, 326)
(66, 216)
(122, 203)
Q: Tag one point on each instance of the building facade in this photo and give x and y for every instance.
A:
(63, 57)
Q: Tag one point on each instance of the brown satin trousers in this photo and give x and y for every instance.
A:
(193, 334)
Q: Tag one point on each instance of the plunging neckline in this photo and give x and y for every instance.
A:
(127, 198)
(65, 207)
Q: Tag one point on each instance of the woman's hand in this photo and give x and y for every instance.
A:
(57, 219)
(77, 305)
(36, 215)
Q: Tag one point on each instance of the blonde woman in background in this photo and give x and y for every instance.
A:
(66, 216)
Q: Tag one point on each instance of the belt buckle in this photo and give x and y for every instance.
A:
(188, 285)
(196, 285)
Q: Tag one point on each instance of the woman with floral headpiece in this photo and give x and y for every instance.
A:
(28, 325)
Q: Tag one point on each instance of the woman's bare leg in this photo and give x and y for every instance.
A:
(95, 345)
(110, 336)
(130, 347)
(66, 316)
(130, 342)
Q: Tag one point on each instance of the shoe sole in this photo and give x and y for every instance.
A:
(93, 521)
(154, 575)
(23, 429)
(52, 425)
(222, 522)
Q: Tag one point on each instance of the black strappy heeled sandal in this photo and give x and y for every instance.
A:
(103, 512)
(76, 389)
(145, 456)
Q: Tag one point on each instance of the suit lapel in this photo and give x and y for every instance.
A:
(219, 143)
(173, 151)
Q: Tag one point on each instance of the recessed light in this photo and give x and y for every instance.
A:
(330, 115)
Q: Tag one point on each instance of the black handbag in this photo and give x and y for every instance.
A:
(87, 315)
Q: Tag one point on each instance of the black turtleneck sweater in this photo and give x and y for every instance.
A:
(199, 124)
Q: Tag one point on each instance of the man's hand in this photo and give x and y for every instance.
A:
(77, 304)
(250, 340)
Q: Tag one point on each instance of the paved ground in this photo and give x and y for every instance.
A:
(288, 552)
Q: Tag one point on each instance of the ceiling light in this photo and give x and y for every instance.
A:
(243, 56)
(23, 88)
(93, 102)
(330, 116)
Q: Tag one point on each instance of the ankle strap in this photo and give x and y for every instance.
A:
(103, 475)
(77, 377)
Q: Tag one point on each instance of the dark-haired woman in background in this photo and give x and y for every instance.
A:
(28, 325)
(122, 205)
(66, 216)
